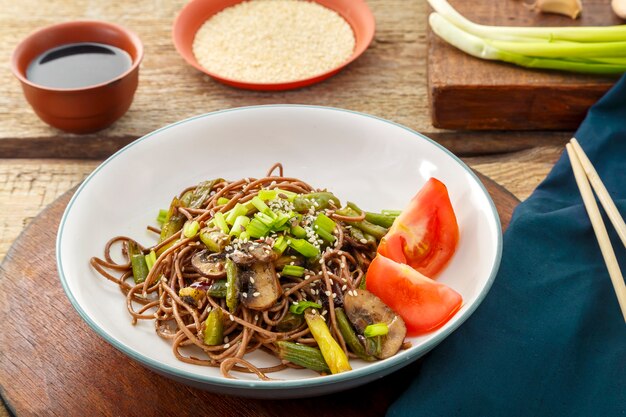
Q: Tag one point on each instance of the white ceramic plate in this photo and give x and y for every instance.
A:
(361, 158)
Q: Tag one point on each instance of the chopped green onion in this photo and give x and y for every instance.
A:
(214, 240)
(289, 195)
(325, 235)
(239, 226)
(293, 270)
(220, 221)
(232, 214)
(298, 231)
(265, 218)
(256, 228)
(301, 306)
(267, 194)
(394, 213)
(545, 47)
(304, 247)
(324, 222)
(259, 204)
(162, 217)
(151, 259)
(222, 200)
(280, 244)
(377, 329)
(281, 219)
(191, 229)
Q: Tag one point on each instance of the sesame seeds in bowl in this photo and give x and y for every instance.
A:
(272, 44)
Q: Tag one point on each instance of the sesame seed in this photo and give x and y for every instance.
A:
(292, 263)
(340, 252)
(245, 295)
(334, 295)
(256, 294)
(327, 293)
(295, 303)
(363, 240)
(230, 316)
(251, 280)
(343, 264)
(324, 312)
(227, 345)
(344, 288)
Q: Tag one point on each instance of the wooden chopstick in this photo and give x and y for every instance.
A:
(598, 227)
(601, 192)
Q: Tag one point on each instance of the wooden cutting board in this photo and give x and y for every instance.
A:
(53, 364)
(469, 93)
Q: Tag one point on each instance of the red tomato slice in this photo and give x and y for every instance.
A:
(423, 304)
(426, 233)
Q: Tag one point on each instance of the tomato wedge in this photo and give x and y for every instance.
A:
(425, 234)
(423, 304)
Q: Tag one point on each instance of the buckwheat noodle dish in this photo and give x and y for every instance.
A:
(278, 265)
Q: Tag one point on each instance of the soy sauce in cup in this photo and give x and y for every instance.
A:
(78, 65)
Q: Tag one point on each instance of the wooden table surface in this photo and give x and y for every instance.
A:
(39, 163)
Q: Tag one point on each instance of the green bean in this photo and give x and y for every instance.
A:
(232, 292)
(358, 234)
(319, 200)
(290, 322)
(379, 219)
(302, 355)
(373, 345)
(174, 221)
(214, 328)
(373, 229)
(138, 262)
(350, 337)
(201, 193)
(217, 289)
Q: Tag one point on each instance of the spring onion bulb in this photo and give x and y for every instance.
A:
(593, 50)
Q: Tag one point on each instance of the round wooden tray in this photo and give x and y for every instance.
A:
(53, 364)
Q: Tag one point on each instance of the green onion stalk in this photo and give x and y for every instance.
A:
(593, 50)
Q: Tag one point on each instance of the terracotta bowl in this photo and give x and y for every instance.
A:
(86, 109)
(196, 12)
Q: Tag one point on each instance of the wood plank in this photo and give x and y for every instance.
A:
(36, 379)
(469, 93)
(389, 81)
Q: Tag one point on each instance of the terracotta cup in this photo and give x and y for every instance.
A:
(86, 109)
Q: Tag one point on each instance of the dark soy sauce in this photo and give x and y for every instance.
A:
(78, 65)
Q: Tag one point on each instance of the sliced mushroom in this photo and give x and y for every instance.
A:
(252, 252)
(365, 309)
(258, 284)
(209, 264)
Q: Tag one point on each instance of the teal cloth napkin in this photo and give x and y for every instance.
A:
(549, 339)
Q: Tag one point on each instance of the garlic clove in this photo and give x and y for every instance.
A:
(619, 7)
(571, 8)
